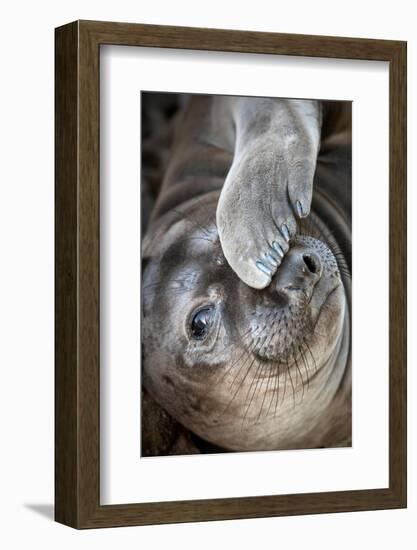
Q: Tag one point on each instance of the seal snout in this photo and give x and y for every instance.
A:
(300, 271)
(312, 262)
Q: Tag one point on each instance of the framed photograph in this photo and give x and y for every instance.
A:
(230, 274)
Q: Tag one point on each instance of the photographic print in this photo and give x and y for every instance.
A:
(246, 273)
(204, 317)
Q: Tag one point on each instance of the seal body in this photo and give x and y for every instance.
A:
(241, 367)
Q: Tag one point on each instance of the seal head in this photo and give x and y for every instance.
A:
(243, 368)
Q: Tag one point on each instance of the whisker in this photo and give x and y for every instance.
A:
(285, 386)
(238, 389)
(241, 339)
(263, 400)
(251, 332)
(277, 398)
(269, 378)
(252, 347)
(292, 384)
(312, 356)
(275, 377)
(258, 377)
(305, 363)
(299, 372)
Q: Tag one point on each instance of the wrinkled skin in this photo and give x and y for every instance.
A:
(272, 370)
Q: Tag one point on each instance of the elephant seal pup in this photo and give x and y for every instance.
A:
(256, 358)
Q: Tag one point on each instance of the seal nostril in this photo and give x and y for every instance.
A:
(310, 263)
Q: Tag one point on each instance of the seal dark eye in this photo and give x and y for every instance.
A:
(201, 322)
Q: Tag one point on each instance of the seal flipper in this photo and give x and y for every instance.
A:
(269, 185)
